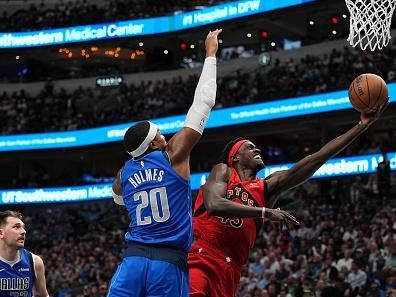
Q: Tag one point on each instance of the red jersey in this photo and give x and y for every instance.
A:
(233, 236)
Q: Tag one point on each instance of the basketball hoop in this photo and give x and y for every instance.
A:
(370, 22)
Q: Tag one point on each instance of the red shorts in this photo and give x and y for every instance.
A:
(212, 274)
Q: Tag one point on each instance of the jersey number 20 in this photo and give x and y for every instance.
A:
(151, 199)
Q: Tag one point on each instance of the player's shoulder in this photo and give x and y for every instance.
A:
(221, 168)
(37, 261)
(220, 172)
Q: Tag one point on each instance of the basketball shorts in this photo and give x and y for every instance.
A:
(212, 274)
(144, 277)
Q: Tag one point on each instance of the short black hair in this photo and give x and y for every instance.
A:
(135, 135)
(228, 147)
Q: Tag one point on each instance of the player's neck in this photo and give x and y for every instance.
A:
(10, 254)
(246, 174)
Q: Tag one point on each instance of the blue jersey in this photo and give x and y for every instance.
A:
(17, 280)
(158, 201)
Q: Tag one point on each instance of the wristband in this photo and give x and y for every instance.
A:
(362, 125)
(263, 212)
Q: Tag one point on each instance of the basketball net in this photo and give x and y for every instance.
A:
(370, 22)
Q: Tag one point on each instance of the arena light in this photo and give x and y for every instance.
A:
(249, 35)
(166, 52)
(264, 34)
(109, 81)
(273, 44)
(265, 59)
(141, 44)
(344, 16)
(183, 45)
(335, 20)
(311, 23)
(17, 57)
(192, 46)
(220, 41)
(334, 32)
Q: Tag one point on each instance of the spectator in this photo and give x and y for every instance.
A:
(383, 177)
(375, 289)
(346, 261)
(357, 277)
(257, 267)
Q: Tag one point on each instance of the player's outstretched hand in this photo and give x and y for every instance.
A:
(212, 43)
(279, 215)
(369, 118)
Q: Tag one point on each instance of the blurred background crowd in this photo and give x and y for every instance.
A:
(62, 110)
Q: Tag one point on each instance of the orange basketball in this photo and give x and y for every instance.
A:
(367, 91)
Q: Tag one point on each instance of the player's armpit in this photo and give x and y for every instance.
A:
(40, 287)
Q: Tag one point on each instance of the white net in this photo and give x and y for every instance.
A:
(370, 22)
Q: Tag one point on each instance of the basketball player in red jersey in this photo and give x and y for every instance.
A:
(231, 206)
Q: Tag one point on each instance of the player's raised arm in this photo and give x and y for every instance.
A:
(305, 168)
(214, 195)
(181, 144)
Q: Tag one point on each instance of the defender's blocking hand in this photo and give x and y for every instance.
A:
(212, 43)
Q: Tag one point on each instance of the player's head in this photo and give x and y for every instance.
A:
(12, 229)
(142, 138)
(244, 154)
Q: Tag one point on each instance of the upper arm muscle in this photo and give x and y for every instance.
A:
(179, 149)
(216, 185)
(117, 183)
(40, 288)
(182, 143)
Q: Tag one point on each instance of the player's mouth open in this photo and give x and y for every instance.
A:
(257, 157)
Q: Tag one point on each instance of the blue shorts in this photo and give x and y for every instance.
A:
(143, 277)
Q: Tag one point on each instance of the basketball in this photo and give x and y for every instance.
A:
(367, 91)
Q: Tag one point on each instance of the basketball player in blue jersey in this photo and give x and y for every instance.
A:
(154, 187)
(21, 272)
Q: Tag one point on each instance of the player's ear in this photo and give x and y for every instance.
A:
(152, 145)
(155, 144)
(235, 158)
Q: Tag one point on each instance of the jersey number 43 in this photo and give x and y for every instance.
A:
(151, 199)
